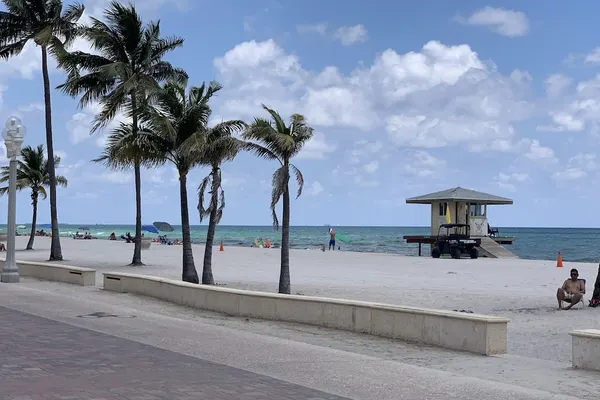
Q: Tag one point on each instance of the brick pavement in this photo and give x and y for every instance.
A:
(41, 359)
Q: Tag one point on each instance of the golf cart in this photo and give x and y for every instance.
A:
(455, 239)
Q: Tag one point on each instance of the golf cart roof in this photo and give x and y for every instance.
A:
(453, 225)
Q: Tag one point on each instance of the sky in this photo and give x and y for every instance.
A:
(405, 98)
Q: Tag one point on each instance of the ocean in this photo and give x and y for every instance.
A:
(575, 244)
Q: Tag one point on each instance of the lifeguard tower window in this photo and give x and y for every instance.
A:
(443, 208)
(476, 210)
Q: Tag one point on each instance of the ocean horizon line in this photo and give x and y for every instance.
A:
(307, 226)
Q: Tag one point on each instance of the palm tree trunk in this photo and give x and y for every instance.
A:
(189, 273)
(34, 203)
(284, 275)
(55, 249)
(137, 246)
(207, 275)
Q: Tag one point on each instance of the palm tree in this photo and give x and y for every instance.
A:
(32, 173)
(219, 146)
(44, 22)
(122, 77)
(178, 136)
(279, 142)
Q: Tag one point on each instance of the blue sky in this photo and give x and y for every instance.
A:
(406, 98)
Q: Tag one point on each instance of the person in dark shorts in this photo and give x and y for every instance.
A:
(331, 239)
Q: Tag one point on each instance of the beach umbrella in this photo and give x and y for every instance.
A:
(163, 226)
(149, 228)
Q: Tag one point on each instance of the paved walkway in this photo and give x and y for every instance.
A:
(41, 359)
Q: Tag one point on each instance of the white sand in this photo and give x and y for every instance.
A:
(522, 290)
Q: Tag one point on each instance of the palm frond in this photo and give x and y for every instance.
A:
(129, 65)
(32, 171)
(261, 152)
(279, 181)
(204, 212)
(299, 179)
(221, 205)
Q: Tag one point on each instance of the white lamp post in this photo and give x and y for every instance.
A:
(13, 136)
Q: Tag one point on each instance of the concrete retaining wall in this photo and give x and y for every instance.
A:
(586, 349)
(56, 272)
(453, 330)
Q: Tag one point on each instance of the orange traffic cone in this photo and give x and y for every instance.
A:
(221, 248)
(559, 263)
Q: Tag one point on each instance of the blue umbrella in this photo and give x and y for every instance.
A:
(149, 228)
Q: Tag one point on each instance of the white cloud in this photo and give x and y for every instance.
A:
(514, 176)
(508, 23)
(508, 181)
(557, 84)
(422, 164)
(315, 189)
(579, 166)
(79, 126)
(349, 35)
(447, 94)
(593, 57)
(371, 167)
(319, 29)
(316, 148)
(153, 197)
(118, 177)
(575, 111)
(569, 174)
(537, 152)
(586, 161)
(346, 35)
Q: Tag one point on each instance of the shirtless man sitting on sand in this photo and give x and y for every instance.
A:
(572, 291)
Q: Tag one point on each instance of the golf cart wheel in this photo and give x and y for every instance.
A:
(435, 252)
(474, 253)
(455, 252)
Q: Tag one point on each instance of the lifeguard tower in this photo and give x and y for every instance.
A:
(464, 206)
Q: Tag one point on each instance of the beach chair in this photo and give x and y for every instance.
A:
(581, 303)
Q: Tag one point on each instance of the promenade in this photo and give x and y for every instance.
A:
(62, 341)
(45, 359)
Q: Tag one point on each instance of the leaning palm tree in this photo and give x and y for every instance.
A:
(122, 77)
(219, 146)
(49, 27)
(178, 125)
(274, 140)
(32, 173)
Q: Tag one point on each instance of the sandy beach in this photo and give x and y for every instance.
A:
(522, 290)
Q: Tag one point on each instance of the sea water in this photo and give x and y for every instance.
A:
(575, 244)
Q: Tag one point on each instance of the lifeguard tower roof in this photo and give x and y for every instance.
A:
(460, 194)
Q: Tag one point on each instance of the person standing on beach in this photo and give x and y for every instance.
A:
(331, 239)
(572, 291)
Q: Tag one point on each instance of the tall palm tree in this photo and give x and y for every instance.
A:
(178, 136)
(274, 140)
(122, 77)
(32, 173)
(52, 29)
(219, 146)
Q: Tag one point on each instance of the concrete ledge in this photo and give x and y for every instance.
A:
(586, 349)
(56, 272)
(453, 330)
